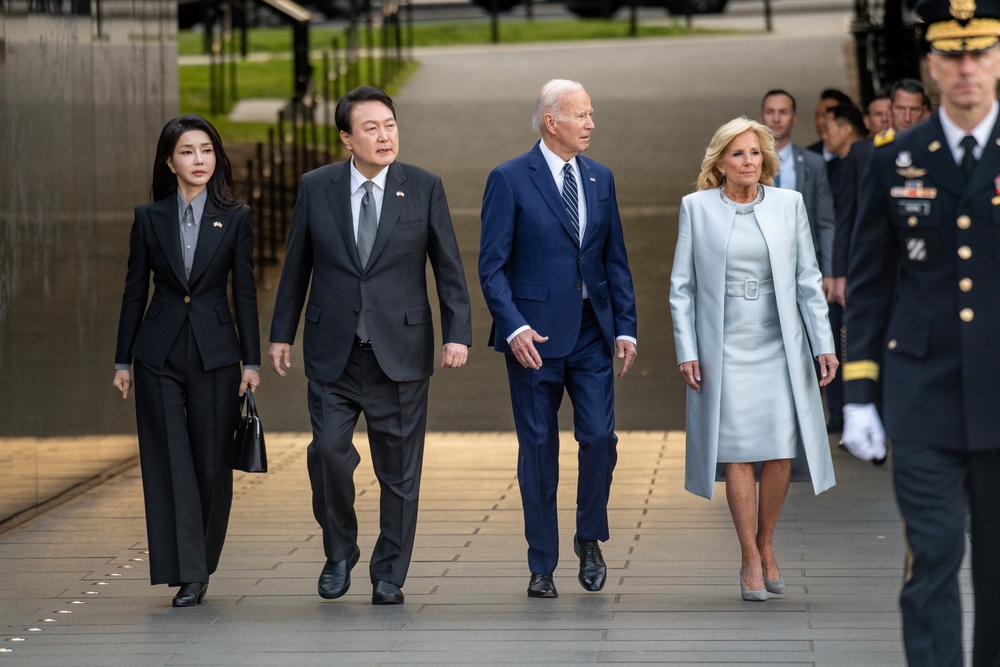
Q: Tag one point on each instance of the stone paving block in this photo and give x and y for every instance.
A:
(672, 595)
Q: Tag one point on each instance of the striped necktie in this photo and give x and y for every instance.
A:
(570, 199)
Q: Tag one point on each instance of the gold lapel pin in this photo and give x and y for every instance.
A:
(934, 145)
(217, 224)
(399, 193)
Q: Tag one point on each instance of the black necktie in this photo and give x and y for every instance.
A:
(570, 199)
(969, 144)
(367, 227)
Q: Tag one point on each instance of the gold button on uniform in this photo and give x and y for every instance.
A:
(892, 344)
(912, 221)
(966, 314)
(187, 299)
(965, 284)
(964, 222)
(965, 252)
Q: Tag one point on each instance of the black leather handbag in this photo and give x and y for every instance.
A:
(249, 454)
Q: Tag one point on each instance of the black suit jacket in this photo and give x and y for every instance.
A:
(414, 227)
(853, 171)
(923, 279)
(225, 248)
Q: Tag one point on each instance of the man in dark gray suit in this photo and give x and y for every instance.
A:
(362, 233)
(806, 172)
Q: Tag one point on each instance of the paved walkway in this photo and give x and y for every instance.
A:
(75, 588)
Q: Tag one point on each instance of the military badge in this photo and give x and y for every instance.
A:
(996, 184)
(934, 146)
(916, 250)
(904, 159)
(913, 190)
(911, 172)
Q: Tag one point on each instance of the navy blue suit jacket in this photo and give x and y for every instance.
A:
(531, 266)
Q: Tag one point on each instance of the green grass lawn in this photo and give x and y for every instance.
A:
(274, 78)
(279, 39)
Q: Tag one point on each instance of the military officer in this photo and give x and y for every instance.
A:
(924, 318)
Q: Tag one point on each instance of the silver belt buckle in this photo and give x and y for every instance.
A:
(751, 289)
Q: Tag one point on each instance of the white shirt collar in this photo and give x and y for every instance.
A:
(556, 163)
(953, 134)
(357, 179)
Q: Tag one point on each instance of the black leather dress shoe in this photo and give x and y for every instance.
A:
(542, 586)
(190, 594)
(593, 570)
(384, 592)
(335, 578)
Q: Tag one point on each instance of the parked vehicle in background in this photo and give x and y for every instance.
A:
(608, 8)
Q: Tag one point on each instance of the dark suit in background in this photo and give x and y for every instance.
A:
(187, 374)
(386, 380)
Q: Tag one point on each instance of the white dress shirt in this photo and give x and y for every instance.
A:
(358, 193)
(953, 134)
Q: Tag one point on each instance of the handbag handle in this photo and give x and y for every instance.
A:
(251, 407)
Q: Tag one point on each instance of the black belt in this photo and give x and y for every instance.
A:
(363, 344)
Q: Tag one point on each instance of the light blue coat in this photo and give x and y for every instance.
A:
(697, 298)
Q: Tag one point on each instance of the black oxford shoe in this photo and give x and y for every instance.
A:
(542, 586)
(190, 595)
(336, 576)
(384, 592)
(593, 570)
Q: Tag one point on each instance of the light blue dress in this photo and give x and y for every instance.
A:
(757, 416)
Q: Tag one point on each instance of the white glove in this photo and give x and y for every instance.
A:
(863, 434)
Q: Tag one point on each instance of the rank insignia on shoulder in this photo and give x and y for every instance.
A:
(934, 146)
(904, 159)
(886, 137)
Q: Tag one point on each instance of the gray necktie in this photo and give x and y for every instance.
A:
(367, 227)
(189, 239)
(570, 199)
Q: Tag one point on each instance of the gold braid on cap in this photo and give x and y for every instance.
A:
(976, 34)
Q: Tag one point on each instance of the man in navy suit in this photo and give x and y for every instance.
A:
(555, 275)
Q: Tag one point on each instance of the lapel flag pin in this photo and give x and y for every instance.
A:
(399, 193)
(217, 224)
(593, 180)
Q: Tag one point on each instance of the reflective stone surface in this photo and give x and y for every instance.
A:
(85, 87)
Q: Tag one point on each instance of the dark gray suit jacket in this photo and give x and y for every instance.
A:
(414, 226)
(812, 184)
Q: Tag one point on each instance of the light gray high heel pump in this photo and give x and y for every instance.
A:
(776, 586)
(751, 596)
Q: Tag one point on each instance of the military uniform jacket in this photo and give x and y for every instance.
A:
(923, 312)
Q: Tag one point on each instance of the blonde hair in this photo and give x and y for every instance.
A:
(711, 177)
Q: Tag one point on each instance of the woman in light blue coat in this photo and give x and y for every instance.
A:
(749, 315)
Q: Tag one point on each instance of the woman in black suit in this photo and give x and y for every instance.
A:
(192, 238)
